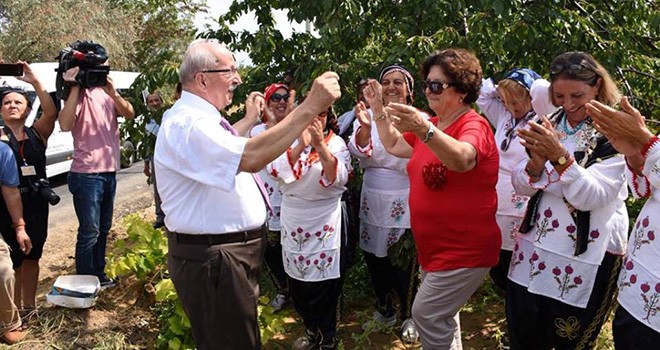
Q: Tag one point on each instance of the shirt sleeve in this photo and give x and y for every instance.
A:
(354, 148)
(596, 186)
(644, 185)
(204, 152)
(490, 104)
(343, 162)
(541, 102)
(8, 170)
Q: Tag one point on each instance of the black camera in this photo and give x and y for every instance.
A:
(89, 56)
(42, 187)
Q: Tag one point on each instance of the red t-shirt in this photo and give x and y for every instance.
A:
(453, 214)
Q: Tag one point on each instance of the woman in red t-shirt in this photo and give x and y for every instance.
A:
(453, 172)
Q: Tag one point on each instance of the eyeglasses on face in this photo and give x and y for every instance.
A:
(278, 97)
(436, 87)
(232, 70)
(570, 68)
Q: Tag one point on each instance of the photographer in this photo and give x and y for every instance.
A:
(91, 115)
(29, 148)
(10, 321)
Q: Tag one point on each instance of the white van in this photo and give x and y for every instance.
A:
(60, 144)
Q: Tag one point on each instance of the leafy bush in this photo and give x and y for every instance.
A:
(144, 254)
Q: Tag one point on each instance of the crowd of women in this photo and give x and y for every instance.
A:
(538, 203)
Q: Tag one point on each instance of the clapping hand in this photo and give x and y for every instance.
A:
(541, 140)
(625, 129)
(362, 115)
(316, 132)
(373, 93)
(406, 118)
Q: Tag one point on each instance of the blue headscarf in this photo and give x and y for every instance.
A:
(523, 76)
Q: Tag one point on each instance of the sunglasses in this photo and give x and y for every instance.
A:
(277, 97)
(570, 68)
(436, 87)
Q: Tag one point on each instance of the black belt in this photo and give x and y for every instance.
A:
(221, 238)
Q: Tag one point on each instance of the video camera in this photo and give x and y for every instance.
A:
(42, 187)
(89, 56)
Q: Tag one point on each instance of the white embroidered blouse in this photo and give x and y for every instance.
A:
(639, 280)
(543, 260)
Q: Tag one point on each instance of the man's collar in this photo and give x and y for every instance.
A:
(191, 99)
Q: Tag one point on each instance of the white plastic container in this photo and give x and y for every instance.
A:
(74, 291)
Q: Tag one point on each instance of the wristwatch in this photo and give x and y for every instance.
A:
(429, 133)
(561, 160)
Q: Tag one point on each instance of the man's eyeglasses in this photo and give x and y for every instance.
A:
(277, 97)
(570, 68)
(436, 87)
(232, 70)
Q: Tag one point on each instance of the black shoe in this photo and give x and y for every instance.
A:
(309, 341)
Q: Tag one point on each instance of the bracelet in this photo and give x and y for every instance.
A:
(20, 223)
(647, 146)
(381, 116)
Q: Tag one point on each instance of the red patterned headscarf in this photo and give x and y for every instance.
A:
(270, 90)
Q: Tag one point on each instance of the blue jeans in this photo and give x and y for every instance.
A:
(93, 200)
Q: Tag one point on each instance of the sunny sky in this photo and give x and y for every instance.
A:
(246, 22)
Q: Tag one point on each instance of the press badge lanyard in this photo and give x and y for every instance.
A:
(26, 170)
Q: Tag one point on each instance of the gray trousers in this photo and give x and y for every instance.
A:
(218, 286)
(438, 302)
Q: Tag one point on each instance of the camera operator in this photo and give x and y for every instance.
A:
(29, 148)
(91, 115)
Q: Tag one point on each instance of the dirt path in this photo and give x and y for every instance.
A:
(133, 195)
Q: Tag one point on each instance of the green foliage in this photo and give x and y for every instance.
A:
(144, 35)
(36, 30)
(144, 254)
(357, 38)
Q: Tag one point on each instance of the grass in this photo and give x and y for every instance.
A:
(123, 319)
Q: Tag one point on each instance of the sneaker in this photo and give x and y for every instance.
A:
(108, 283)
(278, 302)
(409, 333)
(378, 321)
(309, 341)
(504, 342)
(328, 345)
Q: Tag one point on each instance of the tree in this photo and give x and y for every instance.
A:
(357, 38)
(36, 30)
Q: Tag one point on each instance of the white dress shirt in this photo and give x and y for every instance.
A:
(197, 163)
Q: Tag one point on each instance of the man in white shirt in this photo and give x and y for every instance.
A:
(215, 209)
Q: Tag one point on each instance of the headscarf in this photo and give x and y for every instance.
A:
(410, 82)
(270, 90)
(523, 76)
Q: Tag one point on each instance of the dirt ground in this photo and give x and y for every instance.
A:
(122, 319)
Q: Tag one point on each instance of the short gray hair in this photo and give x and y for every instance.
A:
(197, 58)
